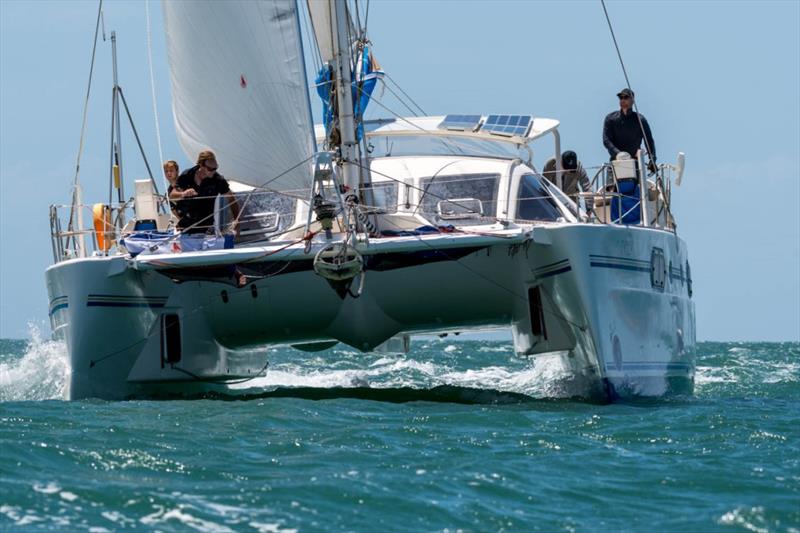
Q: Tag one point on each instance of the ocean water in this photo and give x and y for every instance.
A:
(454, 436)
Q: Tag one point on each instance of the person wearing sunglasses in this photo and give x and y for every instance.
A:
(197, 208)
(622, 131)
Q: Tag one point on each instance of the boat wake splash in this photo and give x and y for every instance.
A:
(33, 370)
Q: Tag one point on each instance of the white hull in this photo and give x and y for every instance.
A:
(600, 309)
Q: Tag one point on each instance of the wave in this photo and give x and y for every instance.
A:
(465, 371)
(38, 373)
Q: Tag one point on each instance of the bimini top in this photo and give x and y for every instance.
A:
(515, 129)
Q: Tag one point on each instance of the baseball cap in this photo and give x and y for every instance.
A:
(569, 160)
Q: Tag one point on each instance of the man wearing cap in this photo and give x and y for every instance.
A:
(622, 131)
(198, 209)
(573, 175)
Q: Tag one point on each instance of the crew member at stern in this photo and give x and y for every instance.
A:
(622, 131)
(198, 211)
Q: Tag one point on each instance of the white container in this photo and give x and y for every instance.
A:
(624, 166)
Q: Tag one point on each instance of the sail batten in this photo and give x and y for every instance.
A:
(239, 88)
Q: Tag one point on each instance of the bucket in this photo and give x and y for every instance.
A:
(624, 166)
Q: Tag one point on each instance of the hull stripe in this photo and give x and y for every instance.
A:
(124, 304)
(620, 266)
(553, 269)
(555, 272)
(651, 366)
(113, 300)
(57, 304)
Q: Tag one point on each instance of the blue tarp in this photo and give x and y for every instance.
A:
(626, 206)
(166, 242)
(422, 230)
(364, 80)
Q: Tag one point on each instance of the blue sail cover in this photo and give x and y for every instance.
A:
(364, 79)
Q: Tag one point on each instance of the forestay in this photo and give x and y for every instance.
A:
(239, 88)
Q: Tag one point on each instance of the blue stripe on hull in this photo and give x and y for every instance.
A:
(124, 304)
(619, 266)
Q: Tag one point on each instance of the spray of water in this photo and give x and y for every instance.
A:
(38, 373)
(426, 367)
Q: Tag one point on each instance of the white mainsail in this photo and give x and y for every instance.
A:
(321, 13)
(239, 88)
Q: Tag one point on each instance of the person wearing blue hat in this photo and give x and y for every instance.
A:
(623, 131)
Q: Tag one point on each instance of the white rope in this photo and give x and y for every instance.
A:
(153, 92)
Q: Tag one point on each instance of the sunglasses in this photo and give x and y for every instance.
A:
(211, 169)
(624, 97)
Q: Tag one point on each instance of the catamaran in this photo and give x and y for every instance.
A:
(361, 232)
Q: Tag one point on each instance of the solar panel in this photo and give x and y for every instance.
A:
(460, 122)
(508, 125)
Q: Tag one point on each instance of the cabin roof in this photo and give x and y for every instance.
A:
(409, 126)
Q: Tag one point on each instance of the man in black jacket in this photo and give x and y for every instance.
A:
(622, 131)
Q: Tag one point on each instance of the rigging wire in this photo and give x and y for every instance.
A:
(447, 143)
(311, 37)
(627, 83)
(399, 99)
(75, 184)
(422, 111)
(153, 91)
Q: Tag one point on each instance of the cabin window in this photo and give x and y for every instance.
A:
(264, 213)
(460, 199)
(385, 196)
(535, 202)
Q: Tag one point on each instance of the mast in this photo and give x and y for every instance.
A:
(116, 134)
(349, 145)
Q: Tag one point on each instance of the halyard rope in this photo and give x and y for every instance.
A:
(83, 123)
(153, 92)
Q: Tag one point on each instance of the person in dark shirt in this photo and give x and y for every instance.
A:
(622, 131)
(197, 208)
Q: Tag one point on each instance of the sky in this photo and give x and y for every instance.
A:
(717, 80)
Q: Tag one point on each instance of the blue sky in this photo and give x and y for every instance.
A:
(719, 81)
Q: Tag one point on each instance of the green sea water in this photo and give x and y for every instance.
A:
(452, 436)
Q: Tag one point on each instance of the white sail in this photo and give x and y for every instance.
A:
(239, 88)
(322, 20)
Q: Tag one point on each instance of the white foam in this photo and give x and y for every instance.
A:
(50, 488)
(750, 519)
(270, 528)
(707, 374)
(545, 377)
(40, 374)
(179, 514)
